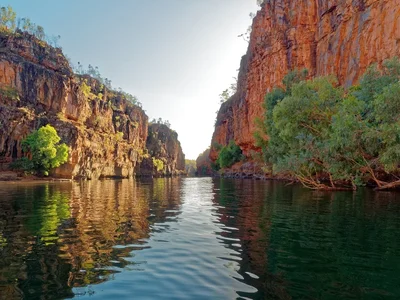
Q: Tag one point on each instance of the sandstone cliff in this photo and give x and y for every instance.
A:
(203, 164)
(327, 37)
(163, 145)
(106, 134)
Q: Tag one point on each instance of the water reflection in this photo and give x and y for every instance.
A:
(196, 238)
(302, 244)
(31, 219)
(54, 237)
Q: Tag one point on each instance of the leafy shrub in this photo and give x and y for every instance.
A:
(327, 137)
(43, 151)
(87, 90)
(158, 164)
(10, 24)
(229, 155)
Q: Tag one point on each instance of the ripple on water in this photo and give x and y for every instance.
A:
(196, 238)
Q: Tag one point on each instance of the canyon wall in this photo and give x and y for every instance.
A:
(106, 133)
(163, 144)
(340, 37)
(203, 164)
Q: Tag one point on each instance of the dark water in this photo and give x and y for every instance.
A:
(197, 238)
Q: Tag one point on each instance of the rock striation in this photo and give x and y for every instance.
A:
(106, 133)
(162, 144)
(341, 37)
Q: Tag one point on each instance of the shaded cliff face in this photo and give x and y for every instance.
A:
(163, 144)
(106, 135)
(203, 164)
(327, 37)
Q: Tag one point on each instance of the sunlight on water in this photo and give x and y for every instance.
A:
(196, 238)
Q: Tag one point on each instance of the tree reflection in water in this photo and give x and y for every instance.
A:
(56, 236)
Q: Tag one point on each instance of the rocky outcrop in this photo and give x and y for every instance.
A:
(162, 145)
(203, 164)
(106, 134)
(327, 37)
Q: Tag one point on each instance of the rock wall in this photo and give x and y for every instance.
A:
(341, 37)
(106, 134)
(203, 164)
(163, 144)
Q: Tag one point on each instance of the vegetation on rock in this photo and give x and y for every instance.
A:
(229, 92)
(161, 121)
(228, 155)
(10, 24)
(158, 164)
(329, 138)
(44, 151)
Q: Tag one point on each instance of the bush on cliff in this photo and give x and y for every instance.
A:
(44, 152)
(10, 24)
(329, 138)
(229, 155)
(158, 164)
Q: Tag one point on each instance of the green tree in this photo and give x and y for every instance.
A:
(267, 136)
(306, 131)
(44, 150)
(229, 155)
(7, 19)
(329, 138)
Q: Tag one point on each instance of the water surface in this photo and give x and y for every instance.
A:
(196, 238)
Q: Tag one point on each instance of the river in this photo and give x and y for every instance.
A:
(196, 238)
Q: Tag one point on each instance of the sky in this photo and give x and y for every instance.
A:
(176, 56)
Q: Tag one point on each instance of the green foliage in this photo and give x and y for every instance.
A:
(132, 99)
(9, 92)
(229, 155)
(7, 19)
(44, 151)
(215, 166)
(158, 164)
(10, 24)
(317, 132)
(273, 146)
(118, 136)
(190, 163)
(86, 90)
(217, 146)
(161, 121)
(294, 77)
(227, 93)
(93, 72)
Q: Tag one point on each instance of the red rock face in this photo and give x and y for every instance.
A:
(106, 136)
(340, 37)
(163, 144)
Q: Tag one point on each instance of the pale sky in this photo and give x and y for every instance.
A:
(176, 56)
